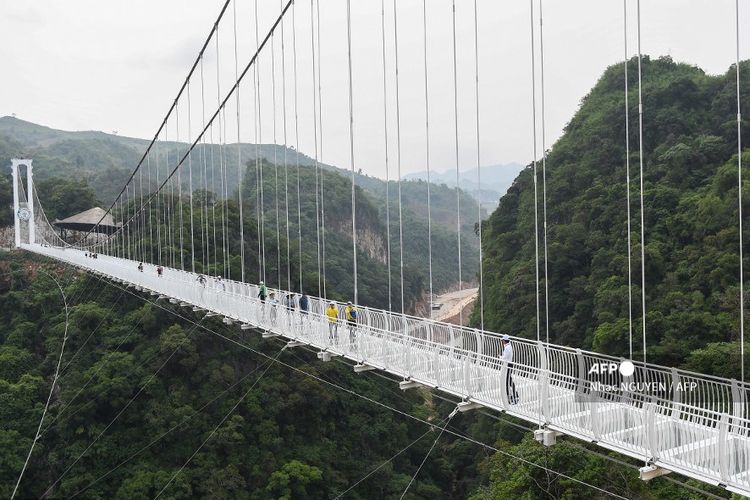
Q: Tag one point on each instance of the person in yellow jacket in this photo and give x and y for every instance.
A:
(350, 313)
(332, 313)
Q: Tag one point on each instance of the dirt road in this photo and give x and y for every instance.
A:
(453, 303)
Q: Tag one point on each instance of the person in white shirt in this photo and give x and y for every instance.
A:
(507, 357)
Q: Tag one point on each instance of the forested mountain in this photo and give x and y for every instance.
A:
(691, 231)
(144, 384)
(295, 436)
(67, 163)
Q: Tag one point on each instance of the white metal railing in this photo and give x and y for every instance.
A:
(702, 432)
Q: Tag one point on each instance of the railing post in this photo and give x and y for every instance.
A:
(466, 370)
(543, 380)
(676, 395)
(478, 357)
(407, 341)
(738, 403)
(722, 445)
(651, 441)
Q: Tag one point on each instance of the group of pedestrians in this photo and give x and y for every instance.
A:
(349, 316)
(290, 302)
(335, 316)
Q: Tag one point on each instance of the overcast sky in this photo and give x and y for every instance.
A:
(117, 65)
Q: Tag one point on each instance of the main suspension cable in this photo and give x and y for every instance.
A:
(250, 64)
(185, 83)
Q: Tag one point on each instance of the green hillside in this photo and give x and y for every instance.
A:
(296, 436)
(690, 183)
(104, 162)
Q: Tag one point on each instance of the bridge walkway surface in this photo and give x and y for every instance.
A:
(684, 422)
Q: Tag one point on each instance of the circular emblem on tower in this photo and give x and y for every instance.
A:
(24, 213)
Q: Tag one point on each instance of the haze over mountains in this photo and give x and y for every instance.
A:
(496, 179)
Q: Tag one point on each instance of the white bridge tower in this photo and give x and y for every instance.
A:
(23, 212)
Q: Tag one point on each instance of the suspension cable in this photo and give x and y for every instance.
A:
(627, 182)
(536, 198)
(458, 174)
(190, 186)
(122, 410)
(318, 189)
(544, 172)
(204, 160)
(442, 430)
(640, 160)
(239, 152)
(739, 192)
(165, 433)
(479, 171)
(286, 164)
(296, 144)
(221, 115)
(269, 364)
(427, 155)
(320, 132)
(351, 147)
(259, 162)
(275, 163)
(389, 460)
(387, 173)
(52, 387)
(179, 194)
(398, 158)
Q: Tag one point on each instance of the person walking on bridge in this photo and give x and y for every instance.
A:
(262, 292)
(507, 358)
(304, 308)
(332, 313)
(350, 312)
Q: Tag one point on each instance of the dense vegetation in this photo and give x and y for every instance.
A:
(67, 163)
(690, 191)
(295, 437)
(290, 436)
(141, 389)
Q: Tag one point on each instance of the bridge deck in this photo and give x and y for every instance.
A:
(701, 433)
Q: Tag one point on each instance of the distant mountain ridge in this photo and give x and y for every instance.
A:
(496, 179)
